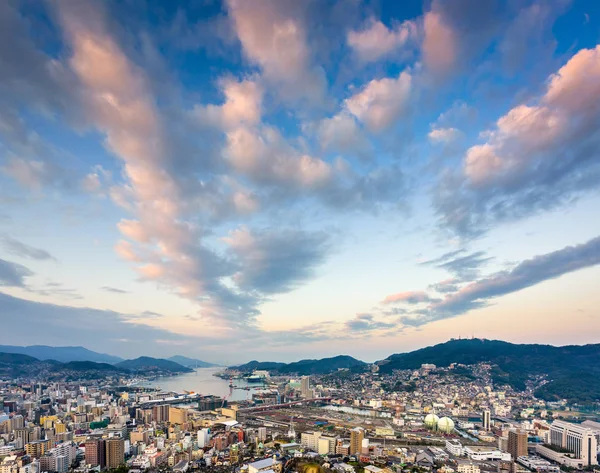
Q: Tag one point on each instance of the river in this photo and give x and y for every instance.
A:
(202, 381)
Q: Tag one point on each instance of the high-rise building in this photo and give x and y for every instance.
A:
(326, 445)
(160, 413)
(115, 452)
(177, 416)
(262, 434)
(578, 439)
(357, 436)
(517, 443)
(95, 452)
(486, 419)
(203, 437)
(305, 387)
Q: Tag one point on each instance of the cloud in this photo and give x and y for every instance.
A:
(381, 102)
(461, 298)
(273, 36)
(409, 297)
(538, 156)
(526, 274)
(18, 248)
(366, 323)
(13, 274)
(114, 289)
(463, 267)
(342, 133)
(375, 40)
(444, 135)
(99, 328)
(242, 106)
(274, 262)
(265, 156)
(440, 48)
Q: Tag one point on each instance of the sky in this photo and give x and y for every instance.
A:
(279, 180)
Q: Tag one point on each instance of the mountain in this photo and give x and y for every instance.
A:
(306, 367)
(91, 366)
(149, 364)
(15, 365)
(190, 362)
(62, 354)
(573, 371)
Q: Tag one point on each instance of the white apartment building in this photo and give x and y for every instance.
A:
(578, 439)
(326, 445)
(310, 440)
(455, 448)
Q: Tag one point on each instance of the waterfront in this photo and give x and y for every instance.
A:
(203, 381)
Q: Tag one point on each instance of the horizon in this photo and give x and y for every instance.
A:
(271, 179)
(217, 362)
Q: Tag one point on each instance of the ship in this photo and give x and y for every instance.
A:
(254, 378)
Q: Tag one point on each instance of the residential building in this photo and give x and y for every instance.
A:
(486, 419)
(305, 387)
(95, 452)
(115, 452)
(357, 435)
(517, 443)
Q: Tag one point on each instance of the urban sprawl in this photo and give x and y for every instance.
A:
(426, 420)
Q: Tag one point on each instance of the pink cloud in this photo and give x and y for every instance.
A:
(409, 297)
(375, 40)
(440, 45)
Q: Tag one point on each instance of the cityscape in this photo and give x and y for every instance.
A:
(337, 415)
(299, 236)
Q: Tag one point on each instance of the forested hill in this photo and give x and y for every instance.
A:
(306, 367)
(573, 371)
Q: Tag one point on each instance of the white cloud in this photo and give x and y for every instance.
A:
(444, 135)
(274, 37)
(375, 40)
(381, 102)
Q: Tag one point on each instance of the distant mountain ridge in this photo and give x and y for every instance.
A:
(149, 364)
(62, 354)
(191, 362)
(16, 365)
(306, 367)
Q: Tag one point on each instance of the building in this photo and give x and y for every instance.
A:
(177, 416)
(268, 464)
(517, 443)
(326, 445)
(486, 453)
(115, 453)
(160, 413)
(95, 452)
(203, 437)
(538, 464)
(464, 467)
(37, 449)
(305, 387)
(139, 435)
(262, 434)
(577, 439)
(455, 447)
(486, 420)
(310, 440)
(357, 436)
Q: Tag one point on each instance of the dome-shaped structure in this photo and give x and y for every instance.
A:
(431, 421)
(445, 425)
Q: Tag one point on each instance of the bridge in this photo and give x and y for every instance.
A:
(270, 407)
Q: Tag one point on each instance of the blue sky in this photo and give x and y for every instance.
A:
(282, 180)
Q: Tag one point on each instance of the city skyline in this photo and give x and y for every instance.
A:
(292, 180)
